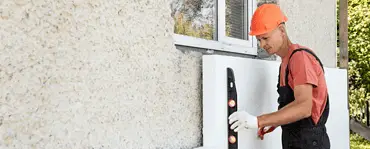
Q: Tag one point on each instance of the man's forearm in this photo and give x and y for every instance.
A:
(290, 113)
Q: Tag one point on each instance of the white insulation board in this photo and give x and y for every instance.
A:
(256, 82)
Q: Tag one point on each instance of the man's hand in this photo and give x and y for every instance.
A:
(264, 130)
(242, 119)
(298, 109)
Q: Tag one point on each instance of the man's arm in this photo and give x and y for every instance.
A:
(298, 109)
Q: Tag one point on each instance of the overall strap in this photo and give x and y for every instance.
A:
(278, 85)
(301, 49)
(308, 51)
(286, 78)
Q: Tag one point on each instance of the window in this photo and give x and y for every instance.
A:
(214, 24)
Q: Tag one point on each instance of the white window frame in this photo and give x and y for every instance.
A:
(223, 42)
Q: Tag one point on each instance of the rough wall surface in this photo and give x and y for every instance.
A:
(95, 74)
(310, 24)
(105, 74)
(313, 23)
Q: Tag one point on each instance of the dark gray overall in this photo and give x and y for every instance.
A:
(302, 134)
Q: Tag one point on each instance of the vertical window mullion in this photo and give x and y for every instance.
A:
(221, 16)
(252, 6)
(215, 21)
(246, 19)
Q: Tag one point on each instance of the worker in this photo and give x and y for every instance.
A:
(303, 96)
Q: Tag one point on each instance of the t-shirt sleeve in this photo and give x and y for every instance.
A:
(302, 69)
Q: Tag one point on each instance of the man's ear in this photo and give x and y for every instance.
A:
(282, 29)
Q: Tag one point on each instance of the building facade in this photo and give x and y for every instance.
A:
(117, 74)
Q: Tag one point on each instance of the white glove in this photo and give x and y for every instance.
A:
(243, 119)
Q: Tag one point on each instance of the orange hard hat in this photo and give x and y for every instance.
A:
(266, 18)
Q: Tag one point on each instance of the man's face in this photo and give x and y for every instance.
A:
(271, 41)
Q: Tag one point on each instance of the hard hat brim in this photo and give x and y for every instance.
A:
(255, 33)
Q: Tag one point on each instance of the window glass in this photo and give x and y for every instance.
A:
(194, 18)
(235, 19)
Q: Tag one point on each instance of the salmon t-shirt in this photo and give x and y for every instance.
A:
(305, 69)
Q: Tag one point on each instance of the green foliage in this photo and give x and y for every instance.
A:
(359, 62)
(184, 26)
(359, 53)
(359, 42)
(358, 142)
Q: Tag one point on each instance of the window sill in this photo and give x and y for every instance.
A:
(212, 45)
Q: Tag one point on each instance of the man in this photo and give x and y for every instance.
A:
(303, 97)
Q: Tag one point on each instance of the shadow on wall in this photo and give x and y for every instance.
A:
(262, 54)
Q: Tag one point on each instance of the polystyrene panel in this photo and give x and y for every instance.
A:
(256, 82)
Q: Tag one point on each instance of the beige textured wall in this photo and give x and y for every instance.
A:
(105, 74)
(310, 23)
(95, 74)
(313, 23)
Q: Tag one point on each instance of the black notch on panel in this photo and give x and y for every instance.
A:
(231, 108)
